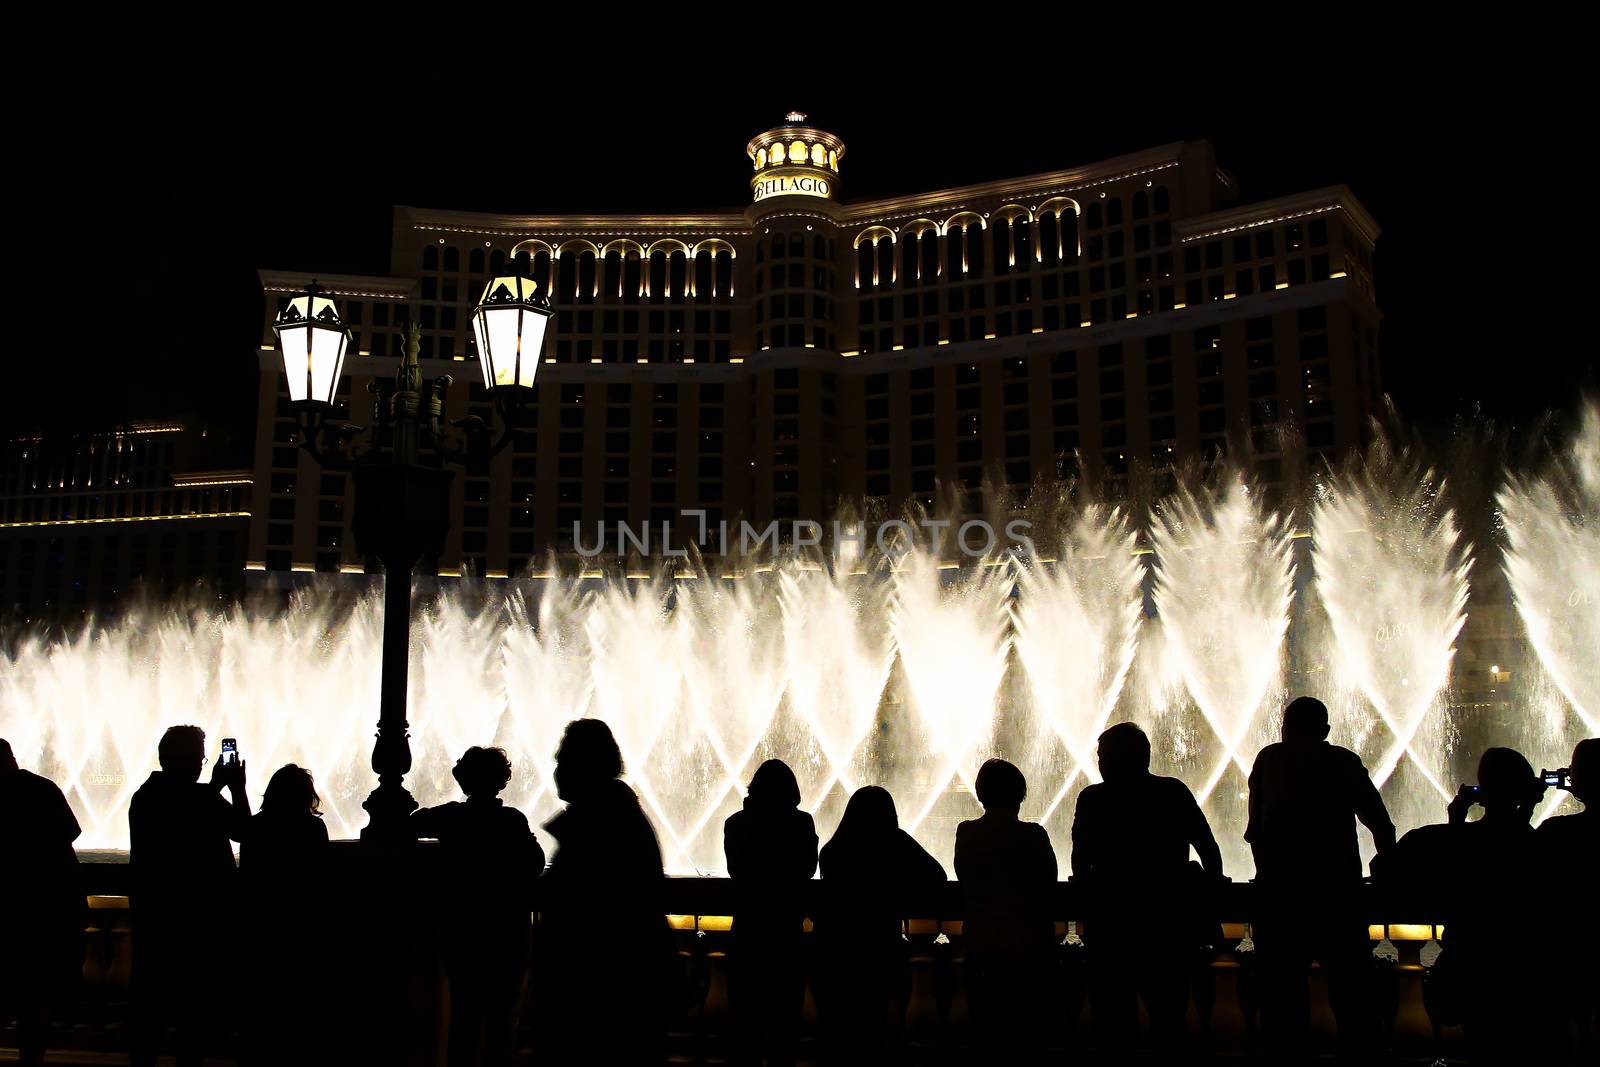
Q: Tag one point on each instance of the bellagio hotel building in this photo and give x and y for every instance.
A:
(1114, 322)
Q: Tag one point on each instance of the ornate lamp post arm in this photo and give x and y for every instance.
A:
(402, 485)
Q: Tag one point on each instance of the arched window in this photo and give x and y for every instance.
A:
(632, 276)
(819, 155)
(475, 262)
(587, 273)
(724, 269)
(524, 263)
(885, 251)
(1058, 234)
(797, 244)
(704, 277)
(1141, 204)
(761, 158)
(864, 273)
(1022, 242)
(1114, 211)
(928, 242)
(1163, 200)
(908, 260)
(430, 257)
(611, 280)
(656, 290)
(1004, 262)
(833, 159)
(452, 259)
(568, 278)
(677, 277)
(777, 246)
(1095, 217)
(797, 151)
(539, 270)
(497, 261)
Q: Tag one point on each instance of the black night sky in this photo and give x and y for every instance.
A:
(212, 182)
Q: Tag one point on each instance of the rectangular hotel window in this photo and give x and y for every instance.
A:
(1297, 271)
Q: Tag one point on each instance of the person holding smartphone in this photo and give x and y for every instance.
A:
(183, 891)
(1477, 872)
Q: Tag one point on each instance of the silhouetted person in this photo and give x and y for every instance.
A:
(1305, 798)
(605, 955)
(1490, 978)
(771, 848)
(1570, 863)
(491, 863)
(1143, 899)
(871, 871)
(183, 898)
(283, 866)
(1007, 870)
(43, 909)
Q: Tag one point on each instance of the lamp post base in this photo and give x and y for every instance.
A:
(388, 808)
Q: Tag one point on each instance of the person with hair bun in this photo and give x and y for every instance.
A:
(491, 863)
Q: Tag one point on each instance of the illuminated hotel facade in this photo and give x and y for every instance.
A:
(86, 519)
(773, 362)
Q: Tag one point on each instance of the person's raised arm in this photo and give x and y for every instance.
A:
(232, 777)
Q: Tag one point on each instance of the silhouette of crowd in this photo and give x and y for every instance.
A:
(603, 977)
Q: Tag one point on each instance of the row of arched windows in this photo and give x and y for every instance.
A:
(623, 272)
(797, 152)
(921, 255)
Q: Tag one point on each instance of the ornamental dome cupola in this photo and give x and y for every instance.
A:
(794, 160)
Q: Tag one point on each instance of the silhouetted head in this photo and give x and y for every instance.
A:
(1000, 786)
(290, 791)
(588, 757)
(870, 813)
(1305, 719)
(182, 752)
(1507, 784)
(1585, 767)
(483, 772)
(8, 759)
(773, 786)
(1124, 752)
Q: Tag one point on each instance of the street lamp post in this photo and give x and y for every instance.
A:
(404, 470)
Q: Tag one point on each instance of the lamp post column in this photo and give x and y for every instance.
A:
(402, 513)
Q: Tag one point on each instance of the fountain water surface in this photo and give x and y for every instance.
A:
(1196, 621)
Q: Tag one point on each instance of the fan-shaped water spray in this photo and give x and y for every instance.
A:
(894, 672)
(1392, 576)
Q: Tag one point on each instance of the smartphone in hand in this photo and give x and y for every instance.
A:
(230, 752)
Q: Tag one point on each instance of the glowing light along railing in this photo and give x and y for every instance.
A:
(864, 674)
